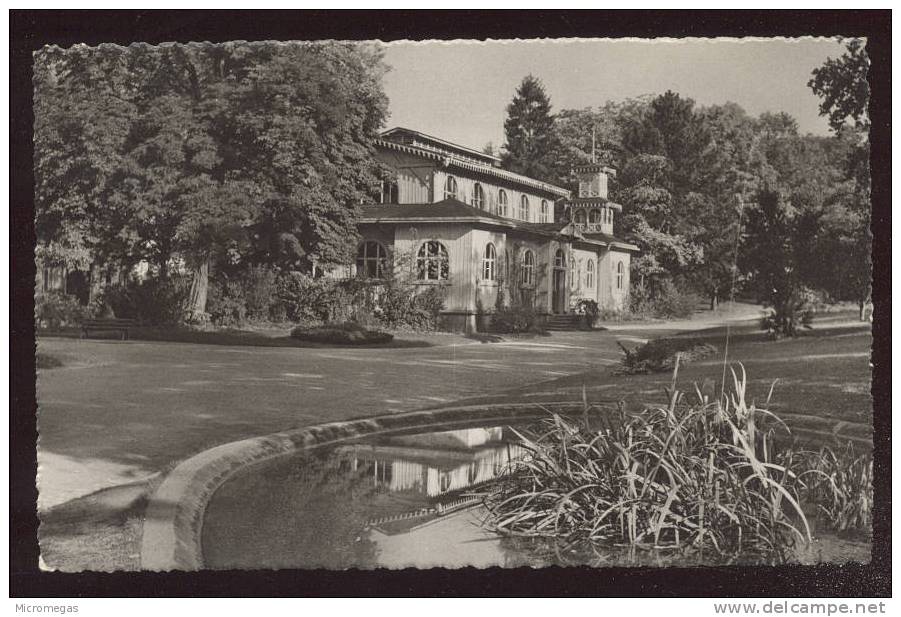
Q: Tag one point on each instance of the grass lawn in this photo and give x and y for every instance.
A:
(116, 416)
(822, 378)
(100, 532)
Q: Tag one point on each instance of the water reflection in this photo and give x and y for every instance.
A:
(434, 464)
(348, 506)
(398, 502)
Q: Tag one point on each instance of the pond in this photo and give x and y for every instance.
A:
(400, 501)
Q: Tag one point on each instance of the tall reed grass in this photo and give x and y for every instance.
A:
(701, 477)
(841, 488)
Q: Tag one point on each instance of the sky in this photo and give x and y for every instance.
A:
(459, 91)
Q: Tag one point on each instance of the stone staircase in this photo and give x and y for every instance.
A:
(565, 323)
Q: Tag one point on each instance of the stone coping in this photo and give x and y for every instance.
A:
(173, 519)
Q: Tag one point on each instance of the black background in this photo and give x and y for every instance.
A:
(30, 30)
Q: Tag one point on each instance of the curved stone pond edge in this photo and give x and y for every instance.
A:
(173, 519)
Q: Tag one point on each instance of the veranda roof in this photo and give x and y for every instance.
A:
(455, 211)
(449, 160)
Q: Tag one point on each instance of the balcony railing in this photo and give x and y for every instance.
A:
(591, 227)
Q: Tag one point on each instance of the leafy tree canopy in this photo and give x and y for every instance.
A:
(260, 150)
(841, 83)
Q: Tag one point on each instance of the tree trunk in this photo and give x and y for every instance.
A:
(199, 287)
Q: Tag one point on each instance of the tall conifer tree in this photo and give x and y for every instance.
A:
(531, 140)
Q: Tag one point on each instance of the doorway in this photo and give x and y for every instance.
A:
(558, 292)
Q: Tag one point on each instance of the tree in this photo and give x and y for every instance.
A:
(841, 83)
(775, 239)
(260, 152)
(531, 141)
(667, 187)
(586, 132)
(82, 118)
(719, 202)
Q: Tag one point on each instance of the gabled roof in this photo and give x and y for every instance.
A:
(448, 159)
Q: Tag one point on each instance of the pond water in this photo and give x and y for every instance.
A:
(399, 501)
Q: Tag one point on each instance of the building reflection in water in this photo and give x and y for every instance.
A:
(434, 464)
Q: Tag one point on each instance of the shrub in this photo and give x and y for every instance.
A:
(390, 303)
(696, 478)
(348, 333)
(428, 305)
(660, 354)
(55, 310)
(615, 314)
(590, 310)
(794, 311)
(225, 303)
(398, 305)
(259, 287)
(307, 299)
(663, 300)
(515, 320)
(152, 301)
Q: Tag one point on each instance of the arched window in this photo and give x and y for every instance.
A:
(573, 277)
(527, 276)
(544, 212)
(579, 218)
(560, 259)
(620, 275)
(478, 196)
(589, 274)
(432, 262)
(450, 188)
(372, 260)
(524, 208)
(594, 217)
(489, 263)
(502, 202)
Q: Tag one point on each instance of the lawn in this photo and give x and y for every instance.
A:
(116, 416)
(822, 378)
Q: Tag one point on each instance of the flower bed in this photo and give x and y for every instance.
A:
(342, 334)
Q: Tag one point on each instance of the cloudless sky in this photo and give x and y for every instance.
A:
(459, 91)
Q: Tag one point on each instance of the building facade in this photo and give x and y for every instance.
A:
(450, 216)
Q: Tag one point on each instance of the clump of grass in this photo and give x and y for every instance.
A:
(841, 486)
(663, 354)
(702, 477)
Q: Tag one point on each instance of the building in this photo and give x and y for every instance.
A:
(451, 216)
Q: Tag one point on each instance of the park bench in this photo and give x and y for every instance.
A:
(110, 324)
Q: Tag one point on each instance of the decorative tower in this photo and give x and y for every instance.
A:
(591, 211)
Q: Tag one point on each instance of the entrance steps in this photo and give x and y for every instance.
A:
(567, 322)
